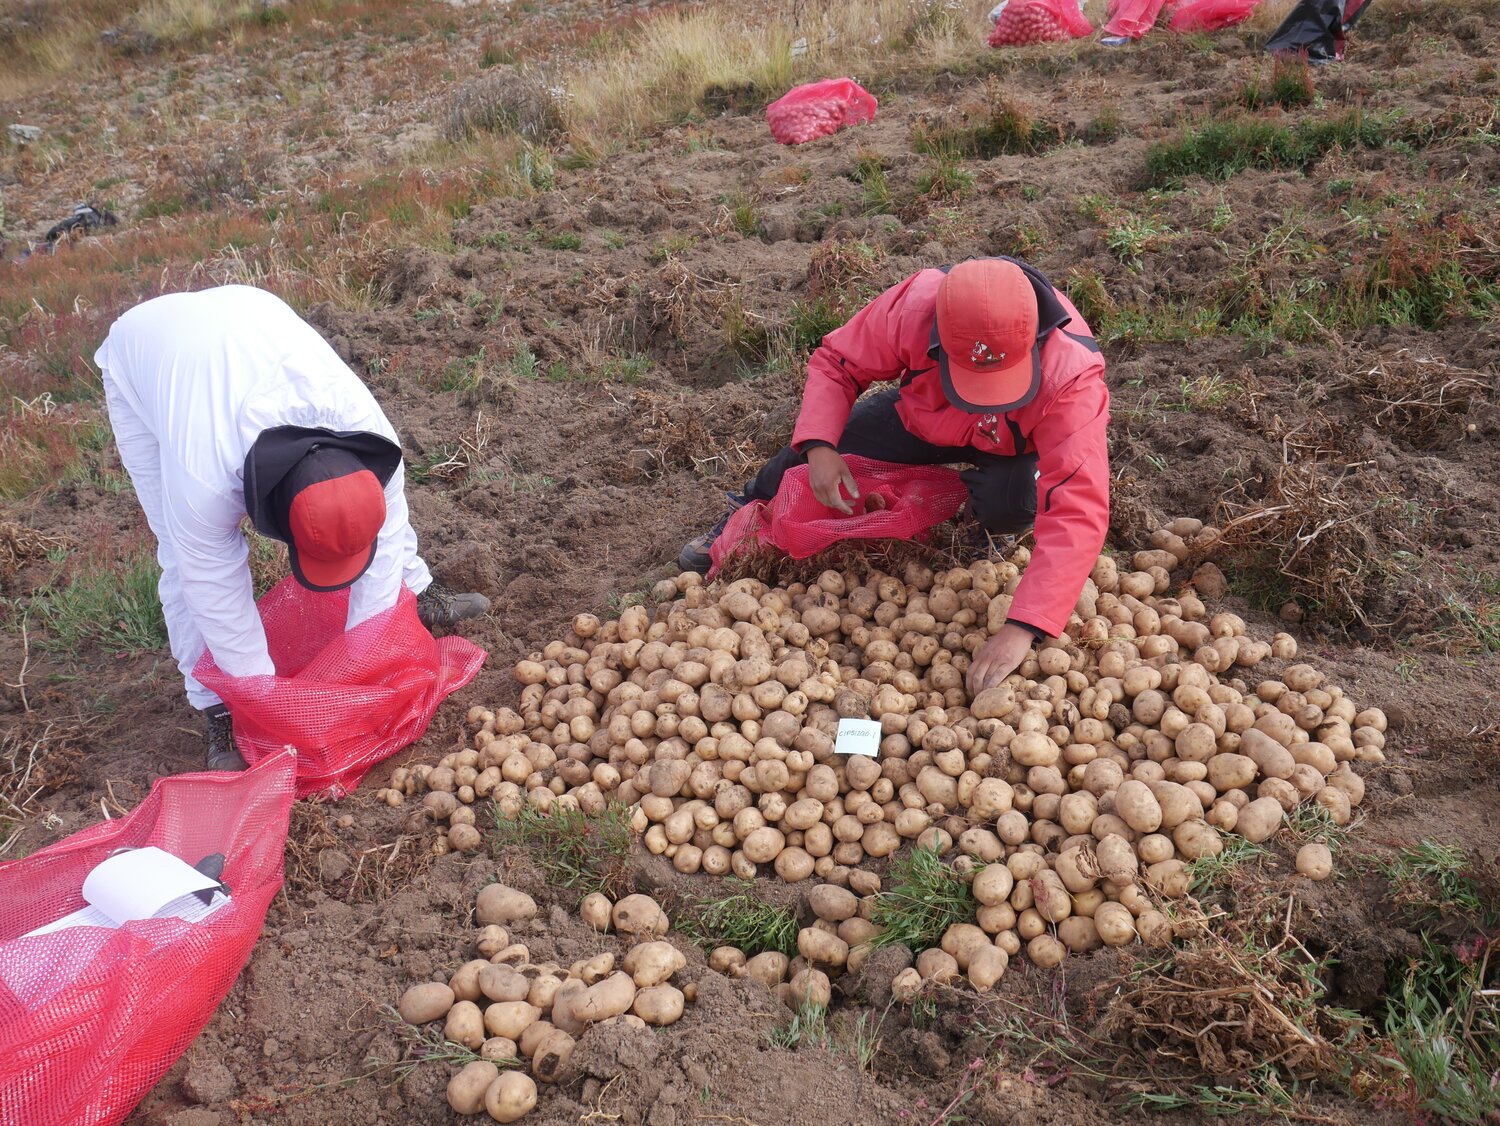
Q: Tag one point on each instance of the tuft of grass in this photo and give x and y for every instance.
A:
(1134, 235)
(114, 607)
(565, 240)
(1444, 1031)
(1289, 86)
(869, 172)
(945, 177)
(1436, 878)
(582, 852)
(923, 898)
(999, 126)
(1220, 149)
(807, 1027)
(1211, 872)
(742, 920)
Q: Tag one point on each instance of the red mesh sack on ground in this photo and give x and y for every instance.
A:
(1132, 18)
(344, 700)
(1210, 15)
(1038, 21)
(819, 109)
(91, 1018)
(911, 499)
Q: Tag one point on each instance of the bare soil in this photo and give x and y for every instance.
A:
(577, 491)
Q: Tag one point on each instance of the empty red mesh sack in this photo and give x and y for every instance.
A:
(1038, 21)
(1210, 15)
(1132, 18)
(91, 1018)
(819, 109)
(911, 499)
(344, 700)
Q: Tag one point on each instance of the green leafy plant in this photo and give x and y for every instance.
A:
(807, 1027)
(112, 606)
(742, 920)
(579, 851)
(923, 897)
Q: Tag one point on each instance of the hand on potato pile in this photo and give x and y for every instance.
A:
(827, 472)
(999, 657)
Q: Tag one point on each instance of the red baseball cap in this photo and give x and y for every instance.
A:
(986, 326)
(335, 510)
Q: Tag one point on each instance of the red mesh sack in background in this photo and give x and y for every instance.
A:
(1038, 21)
(1210, 15)
(819, 109)
(1132, 18)
(91, 1018)
(914, 498)
(344, 700)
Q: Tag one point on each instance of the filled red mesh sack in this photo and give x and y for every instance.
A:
(91, 1018)
(1210, 15)
(1132, 18)
(344, 700)
(1038, 21)
(895, 502)
(819, 109)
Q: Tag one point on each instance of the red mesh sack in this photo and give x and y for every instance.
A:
(344, 700)
(1210, 15)
(91, 1018)
(912, 498)
(1038, 21)
(1132, 18)
(819, 109)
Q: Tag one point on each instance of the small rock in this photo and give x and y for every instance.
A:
(25, 134)
(333, 865)
(208, 1081)
(1401, 782)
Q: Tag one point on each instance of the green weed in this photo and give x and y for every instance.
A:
(945, 176)
(742, 920)
(1220, 149)
(1211, 872)
(1431, 877)
(114, 607)
(565, 240)
(1000, 127)
(1131, 238)
(922, 899)
(582, 852)
(869, 172)
(807, 1027)
(1289, 86)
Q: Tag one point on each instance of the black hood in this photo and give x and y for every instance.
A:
(275, 452)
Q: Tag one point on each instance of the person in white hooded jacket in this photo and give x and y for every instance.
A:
(225, 403)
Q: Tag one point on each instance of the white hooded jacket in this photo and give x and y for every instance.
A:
(191, 381)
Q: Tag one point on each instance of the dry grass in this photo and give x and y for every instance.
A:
(20, 545)
(665, 70)
(1421, 399)
(35, 759)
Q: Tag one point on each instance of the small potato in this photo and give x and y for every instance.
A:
(549, 1062)
(821, 948)
(1135, 803)
(610, 997)
(986, 967)
(1078, 934)
(510, 1097)
(936, 964)
(992, 884)
(1115, 924)
(465, 1025)
(595, 911)
(1259, 819)
(1315, 861)
(963, 941)
(492, 939)
(810, 987)
(497, 1049)
(660, 1005)
(906, 985)
(466, 1089)
(640, 915)
(832, 903)
(425, 1002)
(510, 1018)
(503, 905)
(465, 981)
(652, 963)
(1046, 952)
(769, 968)
(726, 959)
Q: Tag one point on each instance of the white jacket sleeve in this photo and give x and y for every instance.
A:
(214, 563)
(395, 549)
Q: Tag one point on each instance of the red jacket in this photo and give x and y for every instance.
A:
(894, 337)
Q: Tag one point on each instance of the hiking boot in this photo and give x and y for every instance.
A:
(437, 606)
(695, 554)
(222, 753)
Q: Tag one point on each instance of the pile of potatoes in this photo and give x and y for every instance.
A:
(507, 1009)
(1072, 792)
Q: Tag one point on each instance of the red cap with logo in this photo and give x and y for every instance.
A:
(986, 323)
(335, 512)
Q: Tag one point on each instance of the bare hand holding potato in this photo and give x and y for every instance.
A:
(999, 657)
(827, 472)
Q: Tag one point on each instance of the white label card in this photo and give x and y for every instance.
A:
(858, 737)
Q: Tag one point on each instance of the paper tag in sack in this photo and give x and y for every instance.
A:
(858, 737)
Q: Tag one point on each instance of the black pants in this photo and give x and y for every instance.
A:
(1002, 490)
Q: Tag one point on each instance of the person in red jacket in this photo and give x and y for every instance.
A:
(997, 370)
